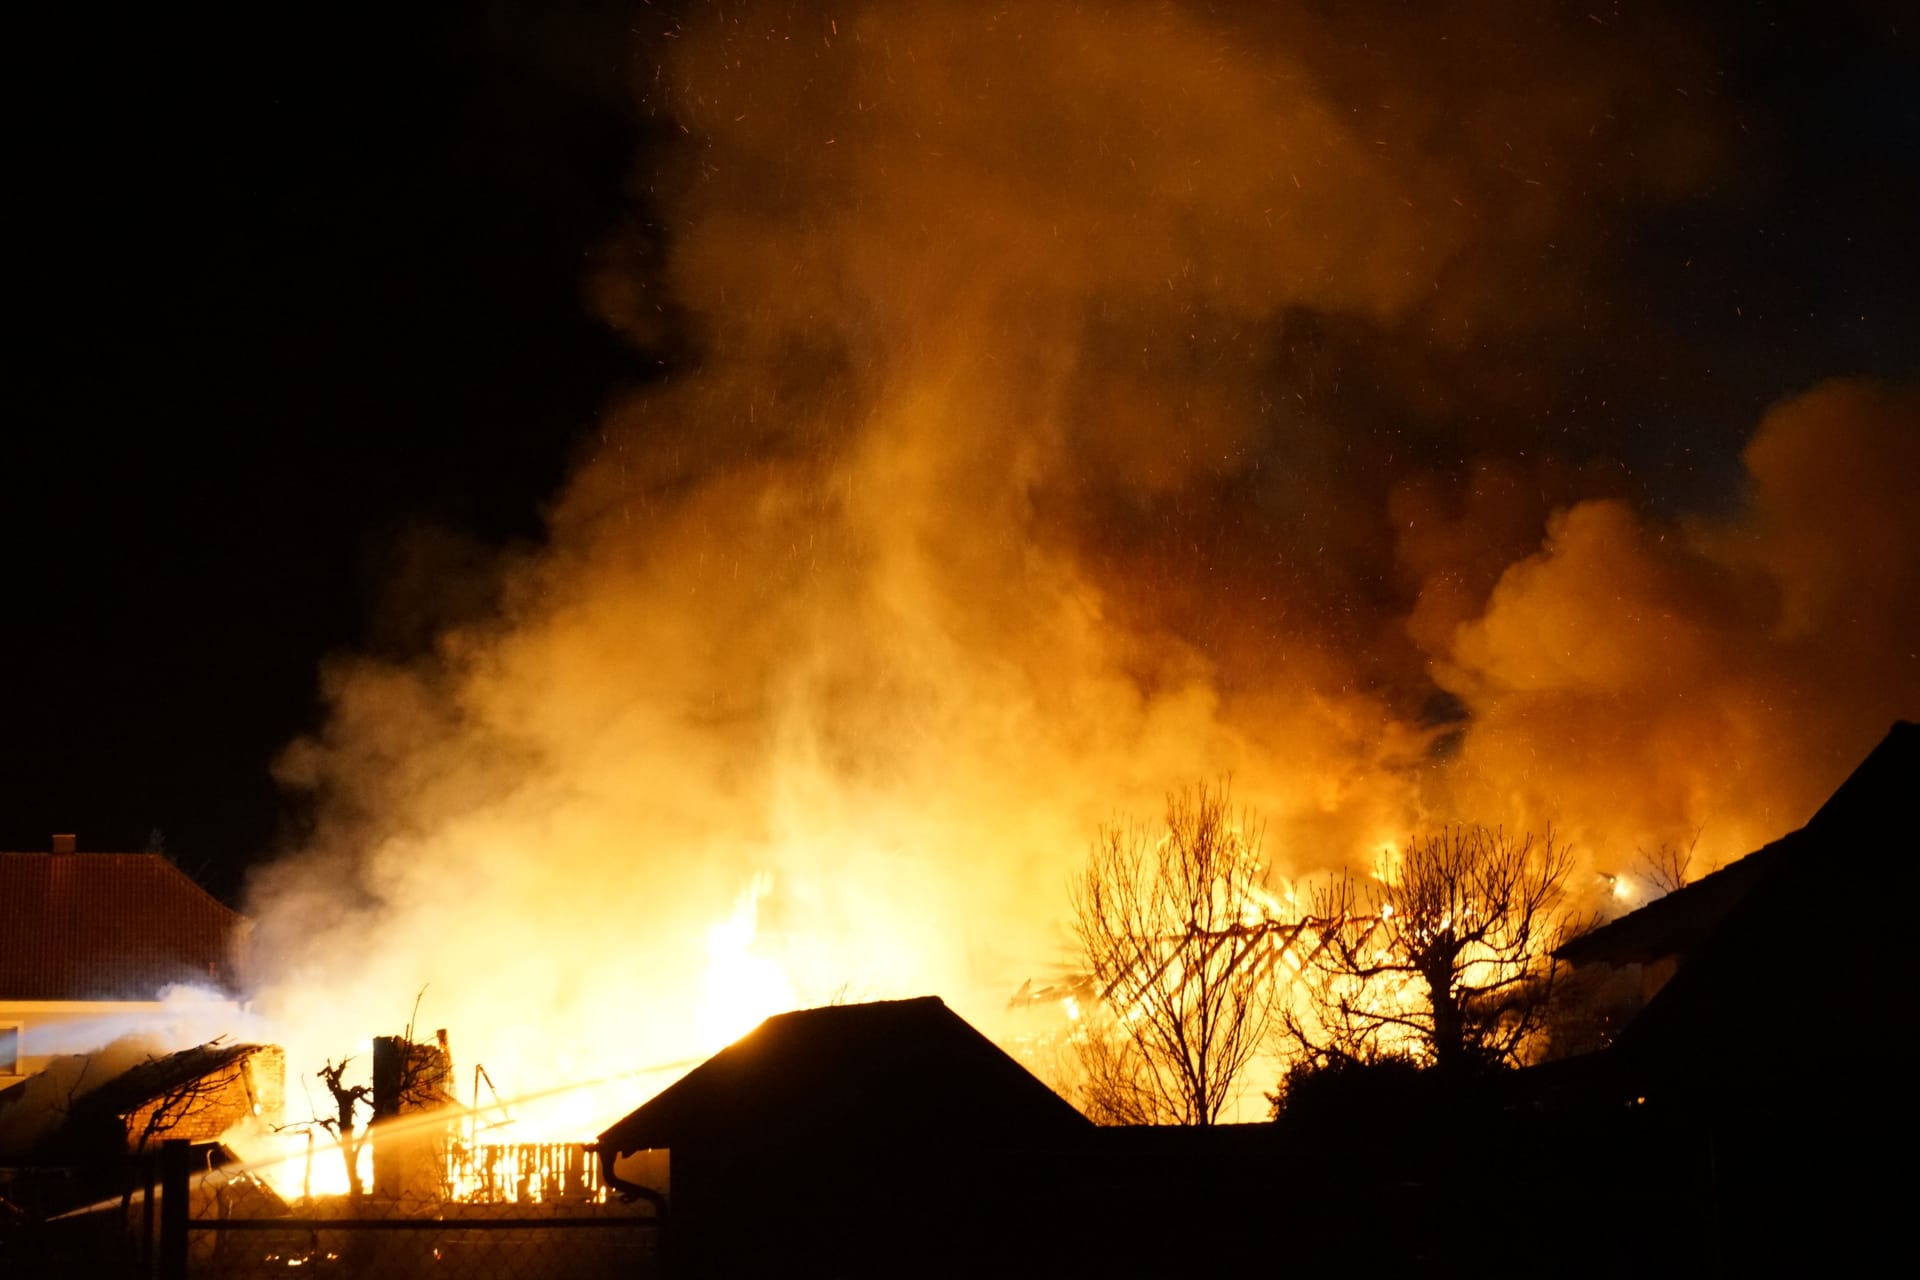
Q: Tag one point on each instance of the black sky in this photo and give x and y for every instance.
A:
(297, 290)
(302, 290)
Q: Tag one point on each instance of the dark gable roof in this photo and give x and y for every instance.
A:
(864, 1076)
(1678, 923)
(106, 926)
(1793, 975)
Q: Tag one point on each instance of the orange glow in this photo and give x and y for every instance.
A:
(929, 564)
(742, 986)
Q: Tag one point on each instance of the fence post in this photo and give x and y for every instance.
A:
(149, 1177)
(176, 1175)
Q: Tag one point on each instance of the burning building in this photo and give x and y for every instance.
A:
(1006, 483)
(91, 1109)
(1058, 410)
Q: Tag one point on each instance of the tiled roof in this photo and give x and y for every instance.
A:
(106, 926)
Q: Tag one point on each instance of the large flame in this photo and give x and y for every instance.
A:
(742, 986)
(1019, 480)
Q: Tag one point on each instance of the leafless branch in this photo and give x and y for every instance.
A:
(1164, 923)
(346, 1101)
(1669, 867)
(1446, 957)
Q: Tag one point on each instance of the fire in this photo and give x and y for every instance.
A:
(534, 1152)
(300, 1162)
(965, 529)
(742, 986)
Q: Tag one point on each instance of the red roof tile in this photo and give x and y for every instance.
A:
(106, 926)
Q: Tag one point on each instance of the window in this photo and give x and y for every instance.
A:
(9, 1049)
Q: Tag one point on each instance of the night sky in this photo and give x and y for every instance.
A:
(302, 346)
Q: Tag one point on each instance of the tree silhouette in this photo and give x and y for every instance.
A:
(1669, 867)
(1445, 958)
(341, 1125)
(1172, 926)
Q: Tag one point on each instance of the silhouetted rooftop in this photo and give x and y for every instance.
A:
(895, 1072)
(1771, 959)
(1679, 921)
(1677, 924)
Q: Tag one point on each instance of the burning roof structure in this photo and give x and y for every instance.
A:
(91, 1108)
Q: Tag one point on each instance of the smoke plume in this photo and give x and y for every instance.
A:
(1084, 402)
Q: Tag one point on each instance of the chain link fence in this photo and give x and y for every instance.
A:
(170, 1217)
(521, 1247)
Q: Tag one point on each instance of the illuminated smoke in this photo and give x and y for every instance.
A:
(1646, 680)
(1006, 492)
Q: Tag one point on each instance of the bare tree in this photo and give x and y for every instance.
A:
(1445, 958)
(184, 1103)
(1172, 928)
(1669, 867)
(1114, 1083)
(345, 1100)
(179, 1105)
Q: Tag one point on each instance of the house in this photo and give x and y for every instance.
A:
(1797, 915)
(889, 1137)
(893, 1138)
(90, 942)
(1764, 1083)
(1752, 1118)
(1652, 942)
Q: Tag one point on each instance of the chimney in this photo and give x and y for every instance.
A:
(63, 844)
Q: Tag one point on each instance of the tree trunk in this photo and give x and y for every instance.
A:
(350, 1152)
(1449, 1023)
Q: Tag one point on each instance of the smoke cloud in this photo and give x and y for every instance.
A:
(1084, 403)
(1647, 680)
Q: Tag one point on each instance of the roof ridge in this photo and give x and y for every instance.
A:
(108, 926)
